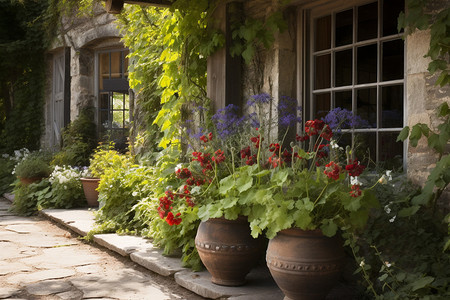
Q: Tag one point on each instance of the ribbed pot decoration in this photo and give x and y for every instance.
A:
(227, 249)
(305, 264)
(90, 186)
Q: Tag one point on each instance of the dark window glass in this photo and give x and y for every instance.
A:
(323, 33)
(343, 65)
(366, 149)
(392, 106)
(323, 72)
(390, 151)
(367, 64)
(322, 105)
(391, 11)
(368, 21)
(344, 28)
(393, 60)
(343, 100)
(104, 99)
(366, 105)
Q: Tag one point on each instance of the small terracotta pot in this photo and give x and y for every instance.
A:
(305, 264)
(29, 180)
(227, 249)
(90, 186)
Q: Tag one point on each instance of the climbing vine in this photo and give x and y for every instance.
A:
(421, 16)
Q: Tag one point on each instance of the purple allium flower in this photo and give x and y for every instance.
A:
(287, 111)
(227, 121)
(259, 99)
(342, 118)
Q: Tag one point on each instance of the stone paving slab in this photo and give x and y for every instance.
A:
(156, 262)
(123, 244)
(259, 285)
(79, 220)
(9, 197)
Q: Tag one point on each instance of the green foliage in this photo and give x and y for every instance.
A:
(252, 34)
(79, 140)
(65, 191)
(36, 164)
(393, 259)
(417, 17)
(171, 52)
(105, 158)
(23, 41)
(6, 177)
(27, 196)
(439, 177)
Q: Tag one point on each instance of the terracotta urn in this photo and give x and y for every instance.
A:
(227, 249)
(305, 264)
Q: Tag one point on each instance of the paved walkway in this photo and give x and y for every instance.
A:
(39, 260)
(42, 261)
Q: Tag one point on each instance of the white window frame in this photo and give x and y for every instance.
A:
(305, 60)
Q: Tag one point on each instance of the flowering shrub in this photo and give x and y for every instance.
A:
(66, 190)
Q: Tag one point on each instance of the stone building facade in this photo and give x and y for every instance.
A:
(344, 54)
(85, 49)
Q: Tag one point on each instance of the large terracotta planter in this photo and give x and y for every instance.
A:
(227, 249)
(90, 186)
(305, 264)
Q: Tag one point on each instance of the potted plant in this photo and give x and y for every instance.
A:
(104, 158)
(33, 167)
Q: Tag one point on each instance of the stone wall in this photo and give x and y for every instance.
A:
(84, 36)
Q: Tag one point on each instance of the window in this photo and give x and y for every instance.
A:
(357, 63)
(114, 111)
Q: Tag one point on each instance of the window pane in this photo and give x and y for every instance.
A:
(391, 151)
(367, 64)
(343, 65)
(343, 100)
(366, 147)
(104, 99)
(323, 70)
(116, 64)
(118, 101)
(368, 21)
(391, 11)
(366, 103)
(344, 28)
(322, 105)
(323, 33)
(118, 119)
(393, 60)
(103, 68)
(392, 106)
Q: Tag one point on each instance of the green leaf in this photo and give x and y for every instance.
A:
(443, 110)
(229, 202)
(302, 219)
(421, 283)
(329, 228)
(408, 211)
(226, 184)
(244, 182)
(403, 134)
(416, 134)
(383, 277)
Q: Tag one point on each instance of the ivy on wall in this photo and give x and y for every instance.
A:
(420, 15)
(23, 41)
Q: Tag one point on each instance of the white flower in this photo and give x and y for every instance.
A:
(5, 155)
(389, 175)
(178, 167)
(392, 219)
(134, 194)
(355, 181)
(335, 145)
(387, 209)
(387, 264)
(362, 263)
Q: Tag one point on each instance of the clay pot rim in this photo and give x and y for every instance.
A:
(301, 232)
(90, 178)
(240, 219)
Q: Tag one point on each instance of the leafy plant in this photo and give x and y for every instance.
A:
(36, 164)
(27, 196)
(79, 140)
(106, 158)
(439, 177)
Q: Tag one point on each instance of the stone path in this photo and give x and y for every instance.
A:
(39, 260)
